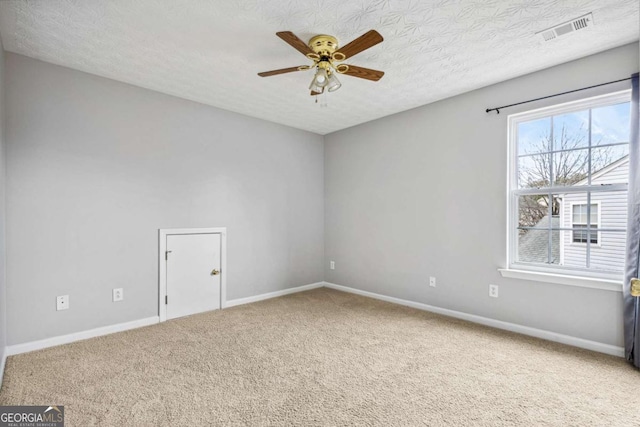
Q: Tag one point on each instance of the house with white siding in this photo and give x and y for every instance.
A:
(608, 222)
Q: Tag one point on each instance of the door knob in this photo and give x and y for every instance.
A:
(215, 272)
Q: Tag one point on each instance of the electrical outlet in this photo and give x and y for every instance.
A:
(118, 294)
(432, 282)
(62, 302)
(493, 291)
(332, 265)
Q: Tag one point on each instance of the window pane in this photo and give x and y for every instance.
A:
(573, 242)
(533, 246)
(581, 234)
(555, 247)
(556, 222)
(613, 209)
(605, 158)
(577, 215)
(571, 130)
(570, 167)
(533, 211)
(534, 136)
(580, 213)
(608, 254)
(610, 124)
(608, 251)
(533, 171)
(573, 255)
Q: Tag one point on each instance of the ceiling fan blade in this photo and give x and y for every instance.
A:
(295, 42)
(365, 41)
(364, 73)
(314, 93)
(282, 71)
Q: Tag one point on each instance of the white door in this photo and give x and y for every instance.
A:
(193, 274)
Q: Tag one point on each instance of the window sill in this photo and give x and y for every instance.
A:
(561, 279)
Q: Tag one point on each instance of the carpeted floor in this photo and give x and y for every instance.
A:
(324, 357)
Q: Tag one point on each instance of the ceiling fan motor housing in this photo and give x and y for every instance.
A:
(323, 45)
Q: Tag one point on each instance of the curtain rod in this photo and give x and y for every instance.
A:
(497, 109)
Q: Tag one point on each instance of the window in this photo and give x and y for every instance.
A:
(579, 215)
(569, 168)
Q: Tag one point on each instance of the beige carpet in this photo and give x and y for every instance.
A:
(324, 357)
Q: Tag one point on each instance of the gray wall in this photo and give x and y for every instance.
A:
(96, 167)
(423, 193)
(3, 287)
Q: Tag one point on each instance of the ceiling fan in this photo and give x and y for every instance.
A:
(325, 53)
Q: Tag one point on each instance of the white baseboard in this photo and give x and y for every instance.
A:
(78, 336)
(499, 324)
(106, 330)
(513, 327)
(261, 297)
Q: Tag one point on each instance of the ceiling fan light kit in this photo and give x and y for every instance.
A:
(321, 78)
(325, 53)
(314, 88)
(334, 84)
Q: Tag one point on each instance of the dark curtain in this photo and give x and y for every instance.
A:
(631, 303)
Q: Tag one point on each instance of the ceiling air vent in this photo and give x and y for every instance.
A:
(568, 27)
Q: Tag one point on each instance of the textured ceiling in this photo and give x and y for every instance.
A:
(210, 51)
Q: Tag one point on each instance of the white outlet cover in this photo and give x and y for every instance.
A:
(493, 291)
(118, 294)
(432, 282)
(62, 302)
(332, 265)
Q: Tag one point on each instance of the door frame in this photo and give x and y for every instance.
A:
(162, 263)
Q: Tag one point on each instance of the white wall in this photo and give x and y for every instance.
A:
(423, 193)
(96, 167)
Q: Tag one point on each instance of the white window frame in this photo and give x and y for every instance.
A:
(554, 274)
(598, 233)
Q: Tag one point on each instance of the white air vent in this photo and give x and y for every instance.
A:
(567, 28)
